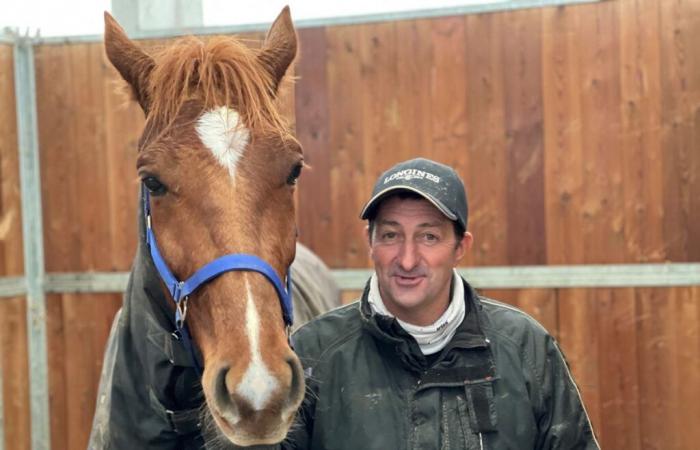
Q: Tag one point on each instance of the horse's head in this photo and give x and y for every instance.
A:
(221, 166)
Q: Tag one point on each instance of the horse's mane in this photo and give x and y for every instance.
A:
(218, 72)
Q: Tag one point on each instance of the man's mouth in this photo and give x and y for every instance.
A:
(407, 281)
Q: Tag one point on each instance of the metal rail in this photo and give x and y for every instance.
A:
(561, 277)
(12, 287)
(32, 232)
(515, 277)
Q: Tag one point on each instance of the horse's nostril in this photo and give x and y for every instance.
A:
(296, 385)
(221, 394)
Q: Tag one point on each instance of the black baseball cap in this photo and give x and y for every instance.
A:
(437, 183)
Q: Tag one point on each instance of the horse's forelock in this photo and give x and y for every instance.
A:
(220, 71)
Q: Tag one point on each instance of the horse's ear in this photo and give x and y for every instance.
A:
(280, 47)
(132, 63)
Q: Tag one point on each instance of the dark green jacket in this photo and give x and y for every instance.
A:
(501, 383)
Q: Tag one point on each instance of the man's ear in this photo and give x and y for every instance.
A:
(464, 245)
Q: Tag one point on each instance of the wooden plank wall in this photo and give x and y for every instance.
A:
(87, 138)
(575, 129)
(13, 333)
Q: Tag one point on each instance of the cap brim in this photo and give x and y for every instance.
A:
(372, 203)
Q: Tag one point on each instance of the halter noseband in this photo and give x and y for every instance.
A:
(181, 290)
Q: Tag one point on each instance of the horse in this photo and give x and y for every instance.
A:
(201, 345)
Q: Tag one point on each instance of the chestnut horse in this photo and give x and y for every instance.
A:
(209, 295)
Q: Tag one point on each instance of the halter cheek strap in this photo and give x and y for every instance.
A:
(181, 290)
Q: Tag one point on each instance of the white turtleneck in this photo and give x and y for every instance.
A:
(431, 338)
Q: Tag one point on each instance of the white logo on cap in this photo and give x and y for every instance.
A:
(410, 174)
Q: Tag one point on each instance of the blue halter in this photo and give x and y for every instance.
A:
(181, 290)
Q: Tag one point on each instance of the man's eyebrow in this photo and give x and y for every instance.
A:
(434, 224)
(388, 222)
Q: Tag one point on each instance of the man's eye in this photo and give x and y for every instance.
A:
(154, 186)
(388, 235)
(431, 239)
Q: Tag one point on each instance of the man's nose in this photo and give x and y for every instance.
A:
(408, 257)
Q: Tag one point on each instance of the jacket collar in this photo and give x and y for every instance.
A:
(387, 330)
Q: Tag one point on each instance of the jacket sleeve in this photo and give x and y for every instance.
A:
(564, 422)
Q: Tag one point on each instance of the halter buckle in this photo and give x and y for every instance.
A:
(181, 312)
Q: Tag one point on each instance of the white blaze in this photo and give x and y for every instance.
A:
(257, 384)
(223, 132)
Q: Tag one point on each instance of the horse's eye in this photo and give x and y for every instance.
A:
(294, 174)
(154, 186)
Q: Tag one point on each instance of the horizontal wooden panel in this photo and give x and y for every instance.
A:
(14, 364)
(77, 329)
(87, 138)
(11, 254)
(572, 128)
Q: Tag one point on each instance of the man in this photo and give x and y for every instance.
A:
(422, 361)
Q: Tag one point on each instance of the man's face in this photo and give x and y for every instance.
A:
(414, 249)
